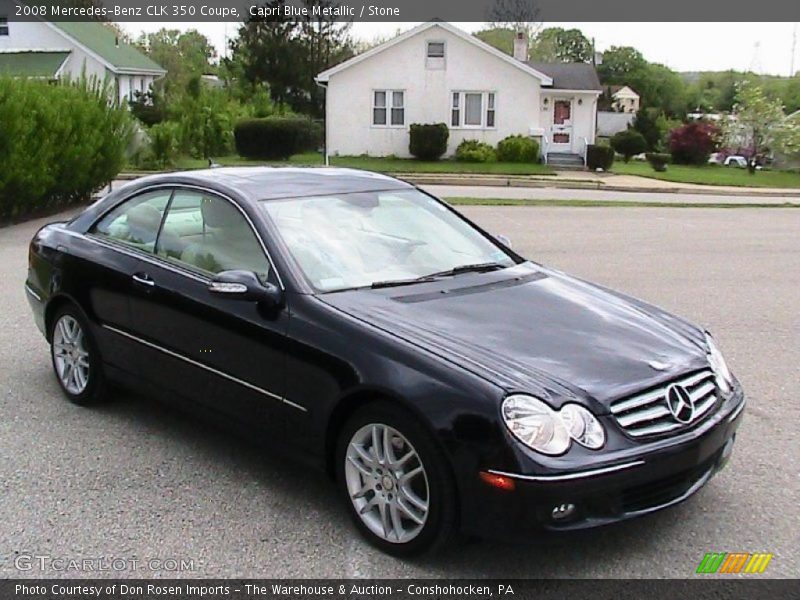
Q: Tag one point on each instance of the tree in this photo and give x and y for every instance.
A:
(185, 55)
(628, 143)
(658, 86)
(647, 123)
(556, 44)
(286, 53)
(759, 124)
(619, 63)
(501, 38)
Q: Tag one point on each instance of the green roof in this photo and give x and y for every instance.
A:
(31, 63)
(102, 40)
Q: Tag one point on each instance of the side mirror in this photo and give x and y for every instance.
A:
(245, 285)
(506, 241)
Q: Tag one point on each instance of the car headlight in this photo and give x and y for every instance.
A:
(719, 366)
(583, 426)
(548, 431)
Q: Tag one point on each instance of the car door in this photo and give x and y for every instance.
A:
(222, 354)
(109, 256)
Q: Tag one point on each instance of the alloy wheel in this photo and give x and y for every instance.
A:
(387, 483)
(70, 355)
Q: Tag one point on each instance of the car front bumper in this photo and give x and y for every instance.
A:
(656, 478)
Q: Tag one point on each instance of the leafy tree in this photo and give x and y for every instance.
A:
(647, 123)
(760, 125)
(286, 53)
(658, 86)
(185, 55)
(501, 38)
(628, 143)
(556, 44)
(619, 63)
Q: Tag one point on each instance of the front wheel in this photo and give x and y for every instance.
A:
(395, 481)
(76, 361)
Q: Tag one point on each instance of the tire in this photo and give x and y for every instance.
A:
(384, 495)
(76, 360)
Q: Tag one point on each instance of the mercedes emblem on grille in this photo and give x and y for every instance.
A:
(680, 403)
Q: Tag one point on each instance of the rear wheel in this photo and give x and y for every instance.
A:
(395, 481)
(76, 361)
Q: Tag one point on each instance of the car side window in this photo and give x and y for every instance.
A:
(135, 222)
(209, 234)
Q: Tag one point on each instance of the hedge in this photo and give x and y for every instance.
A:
(58, 144)
(518, 149)
(658, 160)
(428, 141)
(599, 157)
(276, 138)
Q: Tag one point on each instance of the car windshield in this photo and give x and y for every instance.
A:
(364, 239)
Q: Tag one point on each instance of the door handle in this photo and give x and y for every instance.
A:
(143, 279)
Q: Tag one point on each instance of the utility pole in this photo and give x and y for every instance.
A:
(794, 47)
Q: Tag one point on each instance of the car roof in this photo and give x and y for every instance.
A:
(269, 183)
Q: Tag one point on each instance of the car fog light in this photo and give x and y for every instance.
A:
(562, 512)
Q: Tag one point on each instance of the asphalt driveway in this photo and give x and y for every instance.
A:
(134, 480)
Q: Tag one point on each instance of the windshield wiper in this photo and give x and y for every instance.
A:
(476, 268)
(376, 285)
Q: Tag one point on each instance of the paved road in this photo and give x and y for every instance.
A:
(552, 193)
(135, 479)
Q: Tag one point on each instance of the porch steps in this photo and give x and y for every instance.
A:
(565, 160)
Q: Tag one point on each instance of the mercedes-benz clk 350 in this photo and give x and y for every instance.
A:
(356, 323)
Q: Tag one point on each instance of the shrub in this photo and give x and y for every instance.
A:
(599, 157)
(628, 143)
(658, 160)
(164, 144)
(518, 149)
(58, 144)
(276, 138)
(428, 141)
(693, 143)
(475, 151)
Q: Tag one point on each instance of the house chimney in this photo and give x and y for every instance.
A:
(521, 46)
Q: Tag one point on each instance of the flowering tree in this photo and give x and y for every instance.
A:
(760, 125)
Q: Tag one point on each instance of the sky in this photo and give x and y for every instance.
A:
(764, 48)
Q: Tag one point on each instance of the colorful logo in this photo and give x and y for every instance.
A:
(734, 562)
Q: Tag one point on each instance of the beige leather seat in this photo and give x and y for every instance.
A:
(227, 242)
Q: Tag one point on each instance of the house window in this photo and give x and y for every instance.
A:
(473, 109)
(3, 25)
(130, 88)
(388, 104)
(435, 49)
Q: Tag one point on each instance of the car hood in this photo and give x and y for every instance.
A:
(532, 329)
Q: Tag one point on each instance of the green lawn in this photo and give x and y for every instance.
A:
(382, 165)
(711, 175)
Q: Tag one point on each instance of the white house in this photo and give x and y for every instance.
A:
(436, 73)
(58, 50)
(625, 99)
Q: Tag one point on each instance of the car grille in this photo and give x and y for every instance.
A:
(646, 413)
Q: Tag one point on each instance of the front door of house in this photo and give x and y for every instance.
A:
(561, 131)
